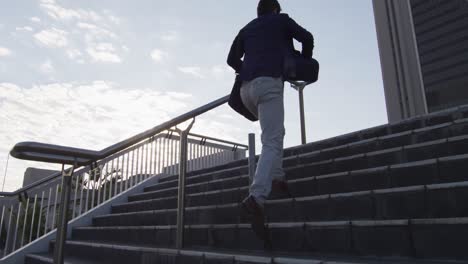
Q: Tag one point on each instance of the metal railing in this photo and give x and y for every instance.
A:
(35, 210)
(106, 173)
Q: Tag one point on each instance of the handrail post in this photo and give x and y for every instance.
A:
(301, 109)
(252, 161)
(299, 86)
(63, 215)
(181, 191)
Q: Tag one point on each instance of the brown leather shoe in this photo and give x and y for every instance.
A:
(257, 219)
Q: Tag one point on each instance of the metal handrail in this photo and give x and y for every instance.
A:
(218, 140)
(32, 185)
(27, 150)
(74, 156)
(59, 174)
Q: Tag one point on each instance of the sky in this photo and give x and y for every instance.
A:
(91, 73)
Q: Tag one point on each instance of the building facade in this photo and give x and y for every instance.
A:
(424, 55)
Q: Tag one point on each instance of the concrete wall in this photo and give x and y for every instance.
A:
(401, 71)
(441, 28)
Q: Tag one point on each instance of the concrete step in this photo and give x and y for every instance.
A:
(434, 119)
(218, 175)
(427, 238)
(420, 238)
(425, 201)
(416, 152)
(429, 150)
(383, 143)
(49, 259)
(440, 170)
(130, 253)
(445, 130)
(225, 196)
(229, 183)
(443, 169)
(415, 173)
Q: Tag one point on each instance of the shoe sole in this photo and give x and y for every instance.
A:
(258, 226)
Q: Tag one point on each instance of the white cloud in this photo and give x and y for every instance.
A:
(35, 19)
(58, 12)
(101, 114)
(98, 50)
(98, 35)
(52, 38)
(74, 53)
(95, 32)
(83, 25)
(158, 55)
(91, 34)
(115, 20)
(194, 71)
(103, 56)
(97, 41)
(104, 52)
(4, 52)
(61, 13)
(178, 95)
(105, 47)
(170, 36)
(168, 74)
(47, 67)
(221, 70)
(24, 29)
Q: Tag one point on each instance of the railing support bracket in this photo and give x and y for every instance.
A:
(63, 214)
(181, 193)
(252, 161)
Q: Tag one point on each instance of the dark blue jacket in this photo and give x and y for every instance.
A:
(264, 43)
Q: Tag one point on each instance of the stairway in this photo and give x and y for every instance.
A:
(395, 193)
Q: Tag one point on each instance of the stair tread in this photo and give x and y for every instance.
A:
(393, 135)
(361, 222)
(362, 155)
(47, 258)
(253, 256)
(393, 190)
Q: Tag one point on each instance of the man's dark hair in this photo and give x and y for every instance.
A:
(267, 7)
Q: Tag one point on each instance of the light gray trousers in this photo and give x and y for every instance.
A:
(263, 97)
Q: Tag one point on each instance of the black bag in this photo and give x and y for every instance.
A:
(235, 101)
(300, 68)
(296, 68)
